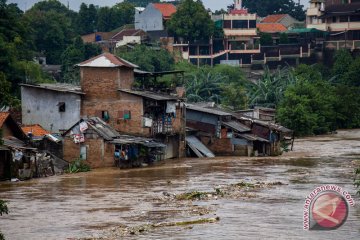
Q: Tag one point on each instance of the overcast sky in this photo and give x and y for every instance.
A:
(74, 4)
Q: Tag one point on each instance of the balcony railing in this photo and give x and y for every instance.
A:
(348, 44)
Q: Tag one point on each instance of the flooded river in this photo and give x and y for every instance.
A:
(91, 204)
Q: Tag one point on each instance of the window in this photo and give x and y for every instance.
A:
(105, 115)
(83, 152)
(240, 24)
(344, 19)
(125, 114)
(61, 106)
(334, 19)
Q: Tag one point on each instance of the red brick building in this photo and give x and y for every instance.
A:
(107, 82)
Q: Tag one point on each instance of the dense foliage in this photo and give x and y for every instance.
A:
(78, 165)
(266, 7)
(323, 100)
(75, 53)
(191, 22)
(16, 54)
(357, 179)
(222, 84)
(149, 58)
(3, 209)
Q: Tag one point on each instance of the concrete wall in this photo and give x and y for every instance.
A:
(40, 106)
(150, 19)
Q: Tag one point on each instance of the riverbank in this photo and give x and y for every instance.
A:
(91, 205)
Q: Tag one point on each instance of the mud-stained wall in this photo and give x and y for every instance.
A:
(99, 153)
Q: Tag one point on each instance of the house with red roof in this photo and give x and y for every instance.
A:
(271, 28)
(154, 17)
(284, 19)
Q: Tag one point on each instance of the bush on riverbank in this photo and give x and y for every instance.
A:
(357, 179)
(78, 165)
(3, 209)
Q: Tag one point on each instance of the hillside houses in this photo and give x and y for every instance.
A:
(154, 16)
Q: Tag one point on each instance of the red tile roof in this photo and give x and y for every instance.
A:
(273, 18)
(167, 9)
(107, 60)
(35, 129)
(271, 27)
(3, 117)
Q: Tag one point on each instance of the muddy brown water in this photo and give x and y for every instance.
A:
(89, 204)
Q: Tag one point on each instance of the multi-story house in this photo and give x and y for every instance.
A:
(340, 18)
(106, 91)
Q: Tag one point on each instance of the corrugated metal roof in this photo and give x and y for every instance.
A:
(102, 128)
(147, 142)
(151, 95)
(270, 125)
(214, 111)
(198, 147)
(13, 142)
(253, 137)
(237, 126)
(58, 87)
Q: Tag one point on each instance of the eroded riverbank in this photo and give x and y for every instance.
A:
(94, 204)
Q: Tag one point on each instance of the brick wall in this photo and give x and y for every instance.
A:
(218, 146)
(99, 152)
(101, 94)
(100, 83)
(127, 78)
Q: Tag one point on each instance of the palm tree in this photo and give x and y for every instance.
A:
(204, 86)
(269, 90)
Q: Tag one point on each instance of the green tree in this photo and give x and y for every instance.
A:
(52, 29)
(308, 108)
(6, 97)
(141, 3)
(266, 39)
(233, 87)
(204, 86)
(115, 17)
(191, 22)
(76, 53)
(3, 209)
(283, 38)
(267, 7)
(357, 179)
(149, 59)
(351, 77)
(87, 19)
(269, 90)
(343, 60)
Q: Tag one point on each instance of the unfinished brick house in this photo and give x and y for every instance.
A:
(107, 82)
